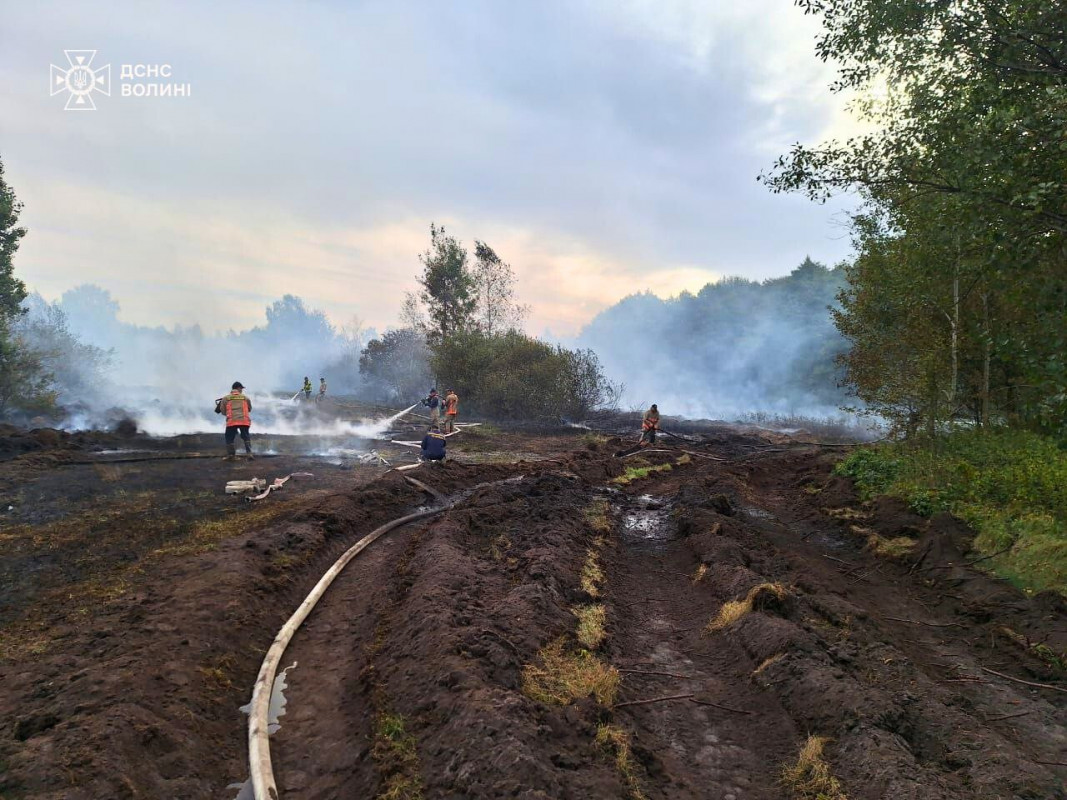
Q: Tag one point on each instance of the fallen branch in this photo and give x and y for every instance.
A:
(971, 563)
(724, 708)
(927, 624)
(848, 564)
(922, 556)
(1009, 716)
(654, 700)
(1027, 683)
(651, 672)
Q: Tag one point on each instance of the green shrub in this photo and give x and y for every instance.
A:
(1010, 486)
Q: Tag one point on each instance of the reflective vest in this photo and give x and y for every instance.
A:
(651, 421)
(451, 404)
(237, 410)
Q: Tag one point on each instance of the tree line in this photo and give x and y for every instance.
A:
(733, 347)
(955, 307)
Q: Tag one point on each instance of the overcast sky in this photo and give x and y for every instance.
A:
(603, 147)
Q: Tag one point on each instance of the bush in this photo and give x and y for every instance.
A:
(514, 376)
(1010, 486)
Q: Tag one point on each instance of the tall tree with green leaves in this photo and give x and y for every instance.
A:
(957, 301)
(12, 290)
(24, 383)
(448, 287)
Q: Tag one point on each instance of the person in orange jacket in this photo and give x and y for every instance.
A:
(650, 424)
(238, 411)
(451, 410)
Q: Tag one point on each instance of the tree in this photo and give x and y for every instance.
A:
(956, 301)
(397, 364)
(12, 290)
(76, 369)
(448, 288)
(496, 309)
(24, 383)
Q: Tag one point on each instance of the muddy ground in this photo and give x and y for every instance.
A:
(749, 602)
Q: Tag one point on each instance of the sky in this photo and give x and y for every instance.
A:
(602, 147)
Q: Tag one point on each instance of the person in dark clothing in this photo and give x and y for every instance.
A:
(433, 402)
(433, 445)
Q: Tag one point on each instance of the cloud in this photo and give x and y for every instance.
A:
(601, 147)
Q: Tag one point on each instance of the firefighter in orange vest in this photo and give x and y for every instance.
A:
(451, 409)
(650, 424)
(238, 411)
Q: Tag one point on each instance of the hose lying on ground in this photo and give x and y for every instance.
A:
(259, 763)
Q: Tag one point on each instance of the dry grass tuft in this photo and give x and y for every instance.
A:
(847, 514)
(397, 759)
(592, 620)
(560, 677)
(698, 576)
(598, 516)
(616, 742)
(758, 597)
(810, 777)
(768, 662)
(897, 547)
(592, 574)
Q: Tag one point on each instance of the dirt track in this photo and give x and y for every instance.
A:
(891, 657)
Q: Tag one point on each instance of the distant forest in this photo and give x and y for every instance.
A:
(735, 346)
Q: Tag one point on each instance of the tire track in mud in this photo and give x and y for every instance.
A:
(439, 628)
(689, 748)
(904, 702)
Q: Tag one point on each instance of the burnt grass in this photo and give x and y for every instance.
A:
(412, 676)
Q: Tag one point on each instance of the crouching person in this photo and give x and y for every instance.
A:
(433, 445)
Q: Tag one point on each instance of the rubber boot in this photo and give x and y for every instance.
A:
(248, 451)
(231, 453)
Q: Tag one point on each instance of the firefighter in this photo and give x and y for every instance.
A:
(238, 411)
(433, 402)
(322, 389)
(307, 388)
(451, 410)
(650, 424)
(433, 445)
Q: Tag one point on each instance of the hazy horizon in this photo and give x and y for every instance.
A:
(603, 149)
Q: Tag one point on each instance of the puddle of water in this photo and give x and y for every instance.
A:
(757, 512)
(275, 710)
(245, 790)
(648, 522)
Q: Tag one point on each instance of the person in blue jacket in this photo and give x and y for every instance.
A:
(433, 445)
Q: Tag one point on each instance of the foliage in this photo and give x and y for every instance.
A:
(25, 385)
(514, 376)
(76, 370)
(448, 287)
(24, 381)
(955, 307)
(1010, 486)
(397, 364)
(12, 290)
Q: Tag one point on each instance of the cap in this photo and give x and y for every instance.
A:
(237, 385)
